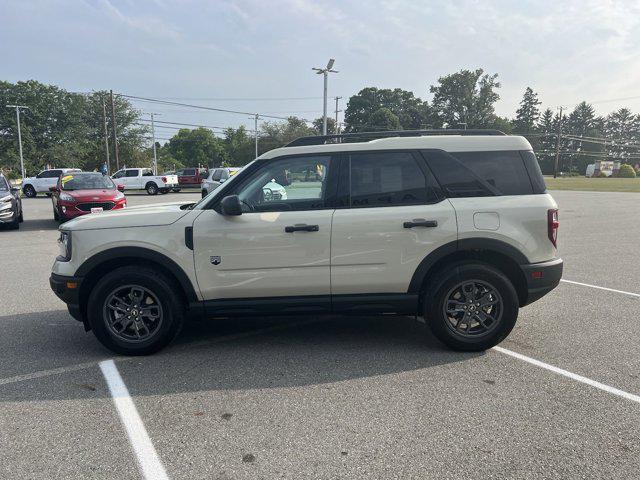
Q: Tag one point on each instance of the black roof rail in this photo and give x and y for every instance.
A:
(368, 136)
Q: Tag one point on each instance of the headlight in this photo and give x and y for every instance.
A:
(119, 196)
(64, 244)
(65, 197)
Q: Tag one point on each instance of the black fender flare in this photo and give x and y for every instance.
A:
(466, 244)
(140, 253)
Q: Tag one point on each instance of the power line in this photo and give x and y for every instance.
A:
(189, 124)
(201, 107)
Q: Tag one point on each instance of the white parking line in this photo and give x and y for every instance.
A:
(601, 288)
(572, 376)
(148, 459)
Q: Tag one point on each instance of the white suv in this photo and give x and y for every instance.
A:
(42, 182)
(457, 228)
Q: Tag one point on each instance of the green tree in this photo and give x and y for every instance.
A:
(528, 113)
(411, 111)
(239, 147)
(622, 128)
(466, 97)
(331, 125)
(383, 119)
(197, 147)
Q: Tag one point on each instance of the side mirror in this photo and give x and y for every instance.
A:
(222, 180)
(53, 189)
(120, 188)
(15, 190)
(230, 205)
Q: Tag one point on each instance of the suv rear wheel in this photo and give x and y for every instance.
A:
(134, 311)
(472, 307)
(29, 191)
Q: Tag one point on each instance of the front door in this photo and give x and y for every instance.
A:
(279, 246)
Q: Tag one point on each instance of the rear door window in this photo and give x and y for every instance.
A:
(385, 179)
(131, 173)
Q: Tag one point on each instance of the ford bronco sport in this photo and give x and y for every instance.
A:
(454, 226)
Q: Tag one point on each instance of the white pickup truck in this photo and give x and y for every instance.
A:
(144, 179)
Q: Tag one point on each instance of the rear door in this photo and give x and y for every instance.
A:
(276, 248)
(391, 216)
(47, 179)
(132, 179)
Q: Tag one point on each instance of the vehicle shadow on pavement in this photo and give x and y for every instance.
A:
(39, 224)
(240, 354)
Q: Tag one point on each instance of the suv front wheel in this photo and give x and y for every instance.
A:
(134, 311)
(471, 307)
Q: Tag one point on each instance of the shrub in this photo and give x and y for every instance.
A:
(600, 175)
(626, 171)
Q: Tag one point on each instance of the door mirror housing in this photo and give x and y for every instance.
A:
(15, 190)
(120, 188)
(53, 189)
(230, 205)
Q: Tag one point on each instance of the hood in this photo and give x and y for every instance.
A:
(143, 216)
(93, 195)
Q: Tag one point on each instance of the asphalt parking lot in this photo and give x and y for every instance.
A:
(338, 397)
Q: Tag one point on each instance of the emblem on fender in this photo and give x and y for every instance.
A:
(215, 259)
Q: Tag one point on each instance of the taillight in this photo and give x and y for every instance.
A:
(164, 179)
(552, 225)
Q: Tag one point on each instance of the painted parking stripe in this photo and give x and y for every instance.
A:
(148, 459)
(637, 295)
(572, 376)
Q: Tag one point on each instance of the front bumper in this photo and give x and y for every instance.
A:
(7, 215)
(541, 278)
(67, 289)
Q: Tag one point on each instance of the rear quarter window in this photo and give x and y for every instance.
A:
(471, 174)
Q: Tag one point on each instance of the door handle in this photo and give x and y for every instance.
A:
(420, 222)
(301, 227)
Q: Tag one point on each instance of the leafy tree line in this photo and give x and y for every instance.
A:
(63, 128)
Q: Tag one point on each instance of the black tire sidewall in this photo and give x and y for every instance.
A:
(152, 189)
(163, 289)
(29, 191)
(450, 278)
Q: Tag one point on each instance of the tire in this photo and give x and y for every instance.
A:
(164, 191)
(451, 292)
(204, 193)
(29, 191)
(15, 225)
(151, 188)
(56, 215)
(21, 217)
(176, 190)
(161, 291)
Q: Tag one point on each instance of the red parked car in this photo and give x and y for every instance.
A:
(190, 177)
(80, 193)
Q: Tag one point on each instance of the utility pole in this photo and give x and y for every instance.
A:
(255, 132)
(555, 167)
(115, 126)
(106, 136)
(337, 128)
(153, 137)
(18, 107)
(325, 72)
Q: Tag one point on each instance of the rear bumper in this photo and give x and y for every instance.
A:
(67, 289)
(541, 278)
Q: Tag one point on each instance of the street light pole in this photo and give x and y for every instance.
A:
(325, 72)
(18, 107)
(337, 128)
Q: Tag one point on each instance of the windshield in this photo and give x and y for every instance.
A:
(200, 205)
(86, 182)
(4, 186)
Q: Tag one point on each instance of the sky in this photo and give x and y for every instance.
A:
(256, 56)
